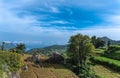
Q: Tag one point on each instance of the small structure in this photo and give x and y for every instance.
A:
(56, 58)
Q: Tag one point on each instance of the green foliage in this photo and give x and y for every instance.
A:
(79, 48)
(99, 76)
(20, 48)
(114, 55)
(49, 50)
(108, 43)
(98, 50)
(113, 48)
(13, 60)
(1, 68)
(113, 52)
(97, 42)
(3, 46)
(114, 64)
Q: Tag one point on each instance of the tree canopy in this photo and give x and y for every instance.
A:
(79, 48)
(97, 42)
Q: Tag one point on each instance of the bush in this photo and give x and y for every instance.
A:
(114, 64)
(13, 60)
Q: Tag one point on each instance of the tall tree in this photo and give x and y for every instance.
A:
(79, 48)
(108, 43)
(94, 38)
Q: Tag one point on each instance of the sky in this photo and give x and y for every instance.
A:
(48, 22)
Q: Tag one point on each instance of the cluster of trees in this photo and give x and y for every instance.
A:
(20, 48)
(98, 42)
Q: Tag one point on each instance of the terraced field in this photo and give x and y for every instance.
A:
(106, 72)
(48, 71)
(35, 71)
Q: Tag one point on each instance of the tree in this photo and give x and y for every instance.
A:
(94, 39)
(97, 42)
(79, 48)
(3, 46)
(108, 43)
(20, 48)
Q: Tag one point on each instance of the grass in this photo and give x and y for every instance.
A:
(113, 64)
(105, 72)
(98, 50)
(1, 73)
(60, 71)
(48, 71)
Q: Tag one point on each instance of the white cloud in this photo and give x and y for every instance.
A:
(33, 30)
(60, 22)
(110, 31)
(113, 19)
(54, 9)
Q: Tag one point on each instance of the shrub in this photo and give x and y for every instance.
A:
(13, 60)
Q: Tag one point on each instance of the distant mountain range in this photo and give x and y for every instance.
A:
(8, 45)
(113, 42)
(63, 48)
(54, 48)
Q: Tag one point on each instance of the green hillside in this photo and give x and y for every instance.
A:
(49, 49)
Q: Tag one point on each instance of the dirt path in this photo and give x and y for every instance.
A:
(105, 72)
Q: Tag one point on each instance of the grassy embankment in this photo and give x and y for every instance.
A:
(106, 65)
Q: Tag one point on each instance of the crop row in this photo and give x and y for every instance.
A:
(113, 64)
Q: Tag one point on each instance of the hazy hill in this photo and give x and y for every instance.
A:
(8, 45)
(50, 49)
(114, 42)
(54, 48)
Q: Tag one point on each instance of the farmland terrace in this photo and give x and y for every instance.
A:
(47, 71)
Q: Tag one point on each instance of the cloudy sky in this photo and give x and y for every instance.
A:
(47, 22)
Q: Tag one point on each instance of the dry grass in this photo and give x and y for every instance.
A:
(48, 71)
(105, 72)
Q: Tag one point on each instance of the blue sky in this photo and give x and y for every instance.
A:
(47, 22)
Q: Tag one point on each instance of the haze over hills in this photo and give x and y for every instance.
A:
(52, 48)
(62, 48)
(8, 45)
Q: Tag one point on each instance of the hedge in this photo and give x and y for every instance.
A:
(114, 64)
(113, 48)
